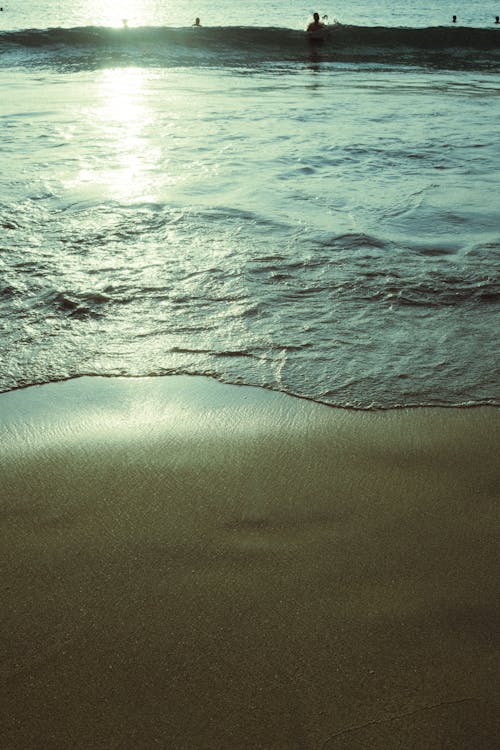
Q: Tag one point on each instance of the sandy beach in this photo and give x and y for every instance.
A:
(191, 565)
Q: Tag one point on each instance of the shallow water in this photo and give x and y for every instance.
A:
(317, 220)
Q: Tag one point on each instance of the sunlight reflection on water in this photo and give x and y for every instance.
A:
(123, 167)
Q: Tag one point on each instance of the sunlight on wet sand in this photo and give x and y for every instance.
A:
(188, 564)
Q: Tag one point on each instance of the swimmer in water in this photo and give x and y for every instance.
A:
(196, 22)
(316, 25)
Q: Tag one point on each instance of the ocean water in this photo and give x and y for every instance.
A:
(232, 201)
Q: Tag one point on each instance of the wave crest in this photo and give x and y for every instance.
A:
(94, 46)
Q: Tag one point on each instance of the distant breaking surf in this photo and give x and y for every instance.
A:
(93, 47)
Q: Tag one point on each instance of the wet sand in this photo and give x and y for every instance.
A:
(191, 565)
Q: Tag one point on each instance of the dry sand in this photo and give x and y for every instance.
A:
(191, 565)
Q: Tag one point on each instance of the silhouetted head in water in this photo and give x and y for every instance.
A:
(196, 22)
(315, 25)
(454, 19)
(497, 19)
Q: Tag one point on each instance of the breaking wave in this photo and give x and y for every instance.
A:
(94, 47)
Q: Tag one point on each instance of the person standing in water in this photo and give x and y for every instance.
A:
(316, 31)
(316, 25)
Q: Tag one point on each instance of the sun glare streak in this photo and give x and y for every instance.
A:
(123, 121)
(121, 91)
(124, 117)
(116, 13)
(130, 153)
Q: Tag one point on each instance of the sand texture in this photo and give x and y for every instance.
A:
(190, 565)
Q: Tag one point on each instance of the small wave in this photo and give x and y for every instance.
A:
(353, 240)
(93, 46)
(427, 295)
(78, 305)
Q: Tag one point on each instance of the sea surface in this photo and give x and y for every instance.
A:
(234, 201)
